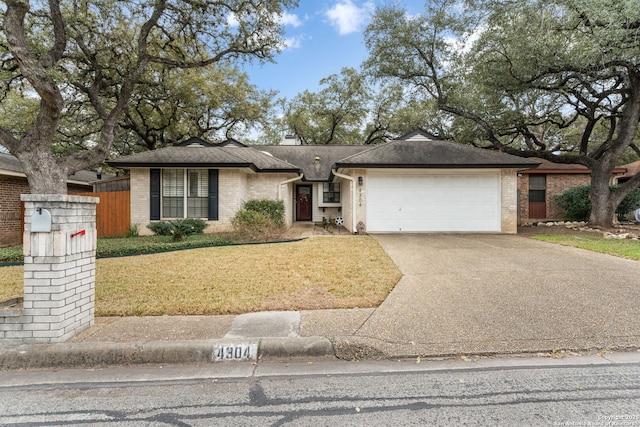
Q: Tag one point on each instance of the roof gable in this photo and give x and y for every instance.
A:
(194, 141)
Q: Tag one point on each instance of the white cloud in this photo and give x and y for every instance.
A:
(348, 17)
(294, 42)
(290, 19)
(287, 19)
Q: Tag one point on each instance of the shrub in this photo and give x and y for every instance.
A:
(161, 228)
(273, 209)
(259, 219)
(132, 231)
(577, 204)
(179, 228)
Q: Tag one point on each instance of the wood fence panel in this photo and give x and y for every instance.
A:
(113, 214)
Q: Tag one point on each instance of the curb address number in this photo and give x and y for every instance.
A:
(235, 352)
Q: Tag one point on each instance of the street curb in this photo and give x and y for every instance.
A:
(94, 354)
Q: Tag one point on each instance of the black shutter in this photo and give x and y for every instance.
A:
(213, 194)
(154, 191)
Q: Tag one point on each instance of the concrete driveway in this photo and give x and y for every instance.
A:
(483, 294)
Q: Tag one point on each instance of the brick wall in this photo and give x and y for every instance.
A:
(11, 209)
(557, 183)
(11, 187)
(59, 272)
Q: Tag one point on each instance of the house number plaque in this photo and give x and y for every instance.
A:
(235, 352)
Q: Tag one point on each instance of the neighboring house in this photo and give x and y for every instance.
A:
(632, 169)
(416, 183)
(13, 183)
(537, 188)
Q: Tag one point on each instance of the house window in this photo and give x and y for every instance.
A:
(184, 188)
(197, 200)
(331, 192)
(173, 193)
(537, 188)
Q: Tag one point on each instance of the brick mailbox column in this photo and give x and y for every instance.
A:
(59, 270)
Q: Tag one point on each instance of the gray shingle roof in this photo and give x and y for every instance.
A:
(304, 156)
(198, 156)
(420, 152)
(415, 150)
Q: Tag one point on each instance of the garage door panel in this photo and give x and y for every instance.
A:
(443, 202)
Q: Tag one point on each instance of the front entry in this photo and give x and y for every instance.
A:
(303, 203)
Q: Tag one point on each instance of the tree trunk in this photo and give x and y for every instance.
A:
(44, 173)
(602, 211)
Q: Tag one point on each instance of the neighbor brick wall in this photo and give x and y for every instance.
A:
(557, 183)
(11, 209)
(11, 187)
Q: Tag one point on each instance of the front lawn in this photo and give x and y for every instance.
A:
(316, 273)
(622, 248)
(118, 246)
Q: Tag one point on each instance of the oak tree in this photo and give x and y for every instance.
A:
(556, 79)
(95, 52)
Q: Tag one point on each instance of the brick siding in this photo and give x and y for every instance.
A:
(11, 209)
(557, 183)
(11, 187)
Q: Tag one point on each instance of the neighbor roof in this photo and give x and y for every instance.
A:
(10, 165)
(632, 169)
(549, 167)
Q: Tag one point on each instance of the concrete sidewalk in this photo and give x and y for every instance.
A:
(460, 295)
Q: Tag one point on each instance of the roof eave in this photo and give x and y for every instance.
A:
(431, 166)
(130, 165)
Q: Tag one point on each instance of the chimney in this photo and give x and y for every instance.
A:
(289, 140)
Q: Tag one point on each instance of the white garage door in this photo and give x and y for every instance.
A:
(433, 202)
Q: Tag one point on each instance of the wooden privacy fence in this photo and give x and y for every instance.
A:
(113, 213)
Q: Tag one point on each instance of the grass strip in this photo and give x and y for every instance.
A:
(624, 248)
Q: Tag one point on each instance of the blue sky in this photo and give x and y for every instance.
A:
(323, 36)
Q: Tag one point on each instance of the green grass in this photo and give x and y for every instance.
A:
(316, 273)
(622, 248)
(120, 246)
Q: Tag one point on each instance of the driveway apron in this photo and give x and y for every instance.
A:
(484, 294)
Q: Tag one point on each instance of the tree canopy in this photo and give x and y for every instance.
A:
(349, 108)
(556, 79)
(60, 57)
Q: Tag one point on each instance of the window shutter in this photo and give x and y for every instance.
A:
(154, 192)
(213, 194)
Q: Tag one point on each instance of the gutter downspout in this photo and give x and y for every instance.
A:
(353, 197)
(287, 181)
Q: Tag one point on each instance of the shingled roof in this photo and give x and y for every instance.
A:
(305, 156)
(213, 156)
(422, 150)
(417, 149)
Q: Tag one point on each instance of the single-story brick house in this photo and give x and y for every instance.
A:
(13, 182)
(538, 186)
(416, 183)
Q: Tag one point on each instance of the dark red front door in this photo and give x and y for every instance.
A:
(303, 203)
